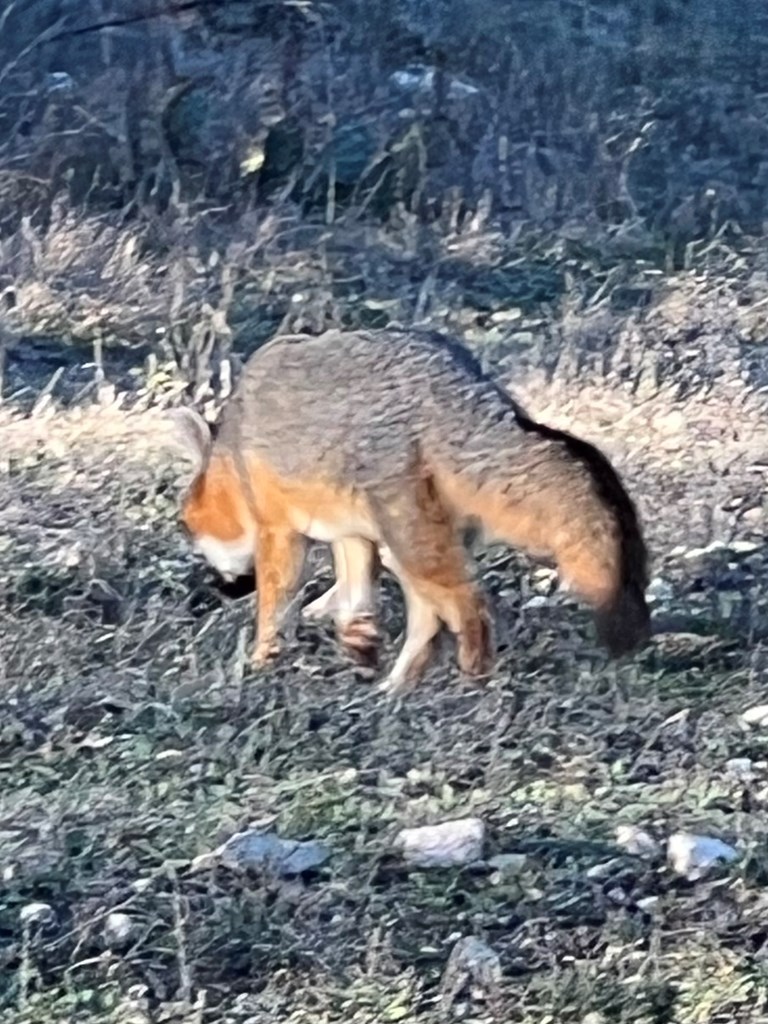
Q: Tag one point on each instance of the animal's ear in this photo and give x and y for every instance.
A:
(192, 434)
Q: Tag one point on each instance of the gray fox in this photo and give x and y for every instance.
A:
(387, 444)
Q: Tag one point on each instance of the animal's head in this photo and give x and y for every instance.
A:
(214, 514)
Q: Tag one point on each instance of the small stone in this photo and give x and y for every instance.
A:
(118, 928)
(449, 844)
(753, 516)
(756, 716)
(744, 547)
(508, 865)
(506, 316)
(471, 962)
(604, 869)
(741, 768)
(660, 589)
(670, 423)
(647, 903)
(267, 851)
(59, 81)
(36, 913)
(693, 855)
(699, 554)
(636, 842)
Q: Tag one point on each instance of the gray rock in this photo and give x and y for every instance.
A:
(267, 851)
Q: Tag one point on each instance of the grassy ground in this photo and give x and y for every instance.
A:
(134, 738)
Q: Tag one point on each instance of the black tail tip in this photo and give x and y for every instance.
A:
(625, 625)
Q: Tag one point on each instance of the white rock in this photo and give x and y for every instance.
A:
(744, 547)
(505, 316)
(59, 81)
(670, 423)
(678, 718)
(757, 716)
(660, 589)
(753, 516)
(118, 928)
(692, 855)
(709, 549)
(741, 768)
(36, 913)
(636, 842)
(647, 902)
(421, 78)
(449, 844)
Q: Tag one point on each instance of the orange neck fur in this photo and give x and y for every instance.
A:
(215, 506)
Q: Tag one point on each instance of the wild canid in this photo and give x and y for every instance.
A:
(387, 445)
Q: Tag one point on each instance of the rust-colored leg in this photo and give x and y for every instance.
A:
(427, 555)
(279, 558)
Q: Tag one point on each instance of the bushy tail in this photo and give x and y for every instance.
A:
(624, 624)
(553, 495)
(622, 619)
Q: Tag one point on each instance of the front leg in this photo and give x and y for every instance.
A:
(279, 559)
(356, 565)
(357, 570)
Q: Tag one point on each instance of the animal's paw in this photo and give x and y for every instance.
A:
(265, 652)
(361, 638)
(396, 685)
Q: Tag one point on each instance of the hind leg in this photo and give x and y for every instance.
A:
(427, 556)
(455, 600)
(422, 625)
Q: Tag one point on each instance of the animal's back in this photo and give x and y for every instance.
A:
(356, 405)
